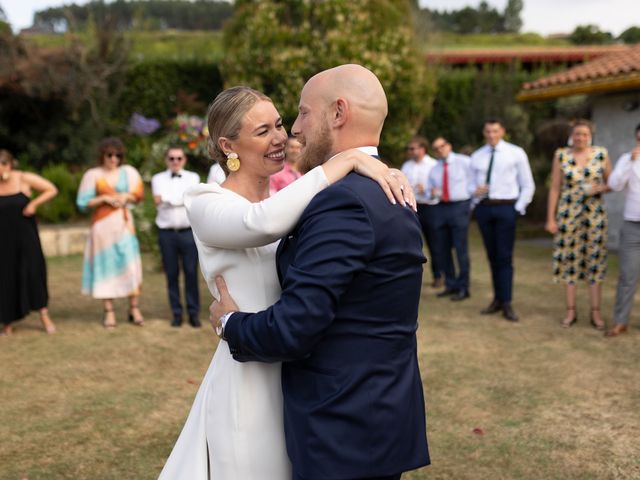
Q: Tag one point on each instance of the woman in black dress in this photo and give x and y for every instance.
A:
(23, 272)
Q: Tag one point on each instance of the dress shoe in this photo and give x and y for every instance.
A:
(195, 322)
(460, 295)
(508, 313)
(616, 330)
(494, 307)
(437, 283)
(447, 292)
(177, 321)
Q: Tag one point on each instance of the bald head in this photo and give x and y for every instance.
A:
(358, 85)
(354, 103)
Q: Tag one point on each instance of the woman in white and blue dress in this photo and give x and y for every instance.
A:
(235, 428)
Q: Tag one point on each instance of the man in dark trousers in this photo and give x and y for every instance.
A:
(175, 236)
(451, 182)
(345, 325)
(504, 188)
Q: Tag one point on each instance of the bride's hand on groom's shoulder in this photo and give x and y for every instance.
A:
(405, 187)
(392, 181)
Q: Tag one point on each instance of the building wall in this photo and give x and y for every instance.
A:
(616, 116)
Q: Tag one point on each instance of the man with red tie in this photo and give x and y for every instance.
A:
(451, 182)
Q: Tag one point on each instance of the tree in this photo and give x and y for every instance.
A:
(512, 12)
(5, 28)
(55, 103)
(589, 35)
(630, 35)
(276, 45)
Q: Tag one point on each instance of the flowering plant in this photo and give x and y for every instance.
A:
(189, 132)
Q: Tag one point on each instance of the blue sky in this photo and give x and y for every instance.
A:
(541, 16)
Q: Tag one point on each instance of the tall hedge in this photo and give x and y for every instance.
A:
(162, 88)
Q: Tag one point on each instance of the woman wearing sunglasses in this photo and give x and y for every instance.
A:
(23, 271)
(112, 265)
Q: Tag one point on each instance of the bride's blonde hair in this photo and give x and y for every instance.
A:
(225, 115)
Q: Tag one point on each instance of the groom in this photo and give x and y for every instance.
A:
(345, 325)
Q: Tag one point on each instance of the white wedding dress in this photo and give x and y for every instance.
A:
(235, 429)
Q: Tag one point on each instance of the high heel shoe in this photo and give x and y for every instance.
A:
(139, 320)
(598, 325)
(568, 321)
(109, 321)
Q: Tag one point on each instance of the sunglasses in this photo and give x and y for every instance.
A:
(175, 159)
(112, 154)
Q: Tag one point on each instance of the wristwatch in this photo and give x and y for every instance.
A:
(220, 324)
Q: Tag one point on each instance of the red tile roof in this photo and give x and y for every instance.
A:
(616, 71)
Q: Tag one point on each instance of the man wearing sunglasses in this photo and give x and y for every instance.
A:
(175, 236)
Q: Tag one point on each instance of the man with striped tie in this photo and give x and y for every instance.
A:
(503, 188)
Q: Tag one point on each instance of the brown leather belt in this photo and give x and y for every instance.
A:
(497, 201)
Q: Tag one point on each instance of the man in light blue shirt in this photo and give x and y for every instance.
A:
(417, 170)
(451, 182)
(503, 188)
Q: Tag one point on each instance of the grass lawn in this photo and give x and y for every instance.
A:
(545, 402)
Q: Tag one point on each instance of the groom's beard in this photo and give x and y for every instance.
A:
(317, 151)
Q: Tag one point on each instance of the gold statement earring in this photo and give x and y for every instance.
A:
(233, 162)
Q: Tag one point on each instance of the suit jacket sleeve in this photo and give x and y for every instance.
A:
(334, 241)
(224, 220)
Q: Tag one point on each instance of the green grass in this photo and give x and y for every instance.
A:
(208, 44)
(552, 403)
(202, 45)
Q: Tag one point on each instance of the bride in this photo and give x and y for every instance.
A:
(235, 428)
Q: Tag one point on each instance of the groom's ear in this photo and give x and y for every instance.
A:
(340, 113)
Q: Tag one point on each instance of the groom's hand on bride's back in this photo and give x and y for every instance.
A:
(224, 305)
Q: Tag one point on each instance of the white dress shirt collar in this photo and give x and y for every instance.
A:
(367, 149)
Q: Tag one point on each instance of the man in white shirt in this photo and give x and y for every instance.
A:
(503, 188)
(417, 170)
(627, 174)
(216, 174)
(175, 236)
(451, 182)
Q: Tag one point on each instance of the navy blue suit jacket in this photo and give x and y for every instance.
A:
(351, 274)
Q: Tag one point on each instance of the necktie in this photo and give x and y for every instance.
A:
(174, 175)
(445, 182)
(488, 179)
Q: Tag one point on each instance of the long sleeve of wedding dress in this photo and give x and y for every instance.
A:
(222, 219)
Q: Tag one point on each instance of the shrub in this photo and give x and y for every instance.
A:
(63, 207)
(163, 88)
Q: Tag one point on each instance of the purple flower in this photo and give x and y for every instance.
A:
(142, 126)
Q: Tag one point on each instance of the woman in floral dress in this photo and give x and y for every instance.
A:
(577, 218)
